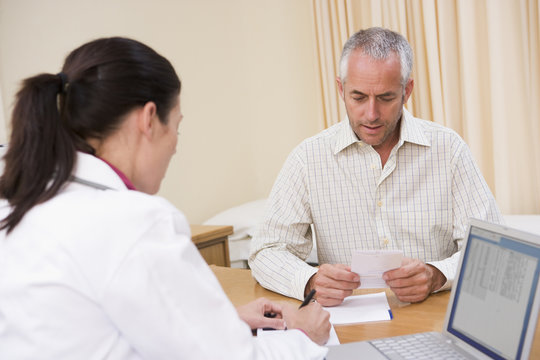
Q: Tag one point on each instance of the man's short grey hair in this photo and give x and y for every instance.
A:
(378, 43)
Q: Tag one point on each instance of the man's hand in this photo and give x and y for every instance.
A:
(414, 280)
(333, 284)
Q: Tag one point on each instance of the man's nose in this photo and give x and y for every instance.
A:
(372, 112)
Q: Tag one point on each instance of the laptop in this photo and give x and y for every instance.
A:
(493, 306)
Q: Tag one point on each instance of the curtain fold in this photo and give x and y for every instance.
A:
(476, 70)
(334, 25)
(3, 122)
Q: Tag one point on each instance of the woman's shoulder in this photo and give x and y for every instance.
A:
(128, 204)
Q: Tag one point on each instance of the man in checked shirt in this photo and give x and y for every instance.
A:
(381, 179)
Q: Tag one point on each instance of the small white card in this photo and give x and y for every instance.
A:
(371, 264)
(361, 308)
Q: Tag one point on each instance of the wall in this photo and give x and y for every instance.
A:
(250, 90)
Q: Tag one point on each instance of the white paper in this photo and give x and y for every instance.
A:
(360, 308)
(371, 265)
(332, 340)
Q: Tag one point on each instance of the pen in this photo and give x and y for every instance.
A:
(308, 298)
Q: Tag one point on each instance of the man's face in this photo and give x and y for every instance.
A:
(374, 98)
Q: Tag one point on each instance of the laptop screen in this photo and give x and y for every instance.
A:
(494, 293)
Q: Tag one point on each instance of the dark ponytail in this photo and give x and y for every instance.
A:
(54, 115)
(38, 142)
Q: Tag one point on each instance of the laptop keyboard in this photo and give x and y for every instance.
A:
(416, 346)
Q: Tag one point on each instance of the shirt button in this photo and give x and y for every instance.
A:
(385, 241)
(373, 166)
(379, 203)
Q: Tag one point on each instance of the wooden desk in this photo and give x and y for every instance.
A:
(212, 242)
(428, 315)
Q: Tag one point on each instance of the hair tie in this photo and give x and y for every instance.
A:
(65, 83)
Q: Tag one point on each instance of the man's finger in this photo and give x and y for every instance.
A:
(327, 282)
(404, 271)
(333, 293)
(336, 272)
(324, 301)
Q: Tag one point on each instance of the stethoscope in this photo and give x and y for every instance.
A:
(91, 184)
(75, 179)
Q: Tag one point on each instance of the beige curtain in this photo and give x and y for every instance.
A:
(334, 25)
(3, 122)
(477, 71)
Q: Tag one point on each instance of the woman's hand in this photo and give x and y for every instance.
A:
(253, 314)
(312, 319)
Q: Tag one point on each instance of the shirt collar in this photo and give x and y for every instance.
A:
(410, 131)
(122, 176)
(95, 172)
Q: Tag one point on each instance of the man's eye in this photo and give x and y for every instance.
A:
(361, 98)
(387, 98)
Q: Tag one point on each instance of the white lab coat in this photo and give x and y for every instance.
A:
(113, 274)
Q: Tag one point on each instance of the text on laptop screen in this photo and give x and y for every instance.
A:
(495, 293)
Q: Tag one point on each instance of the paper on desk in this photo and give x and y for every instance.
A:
(332, 340)
(361, 308)
(371, 264)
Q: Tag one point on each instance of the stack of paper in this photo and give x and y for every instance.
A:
(361, 308)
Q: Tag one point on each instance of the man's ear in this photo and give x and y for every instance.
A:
(408, 90)
(340, 87)
(146, 119)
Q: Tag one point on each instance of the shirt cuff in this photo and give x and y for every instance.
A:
(301, 278)
(448, 273)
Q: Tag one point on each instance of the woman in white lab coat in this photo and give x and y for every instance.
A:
(92, 265)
